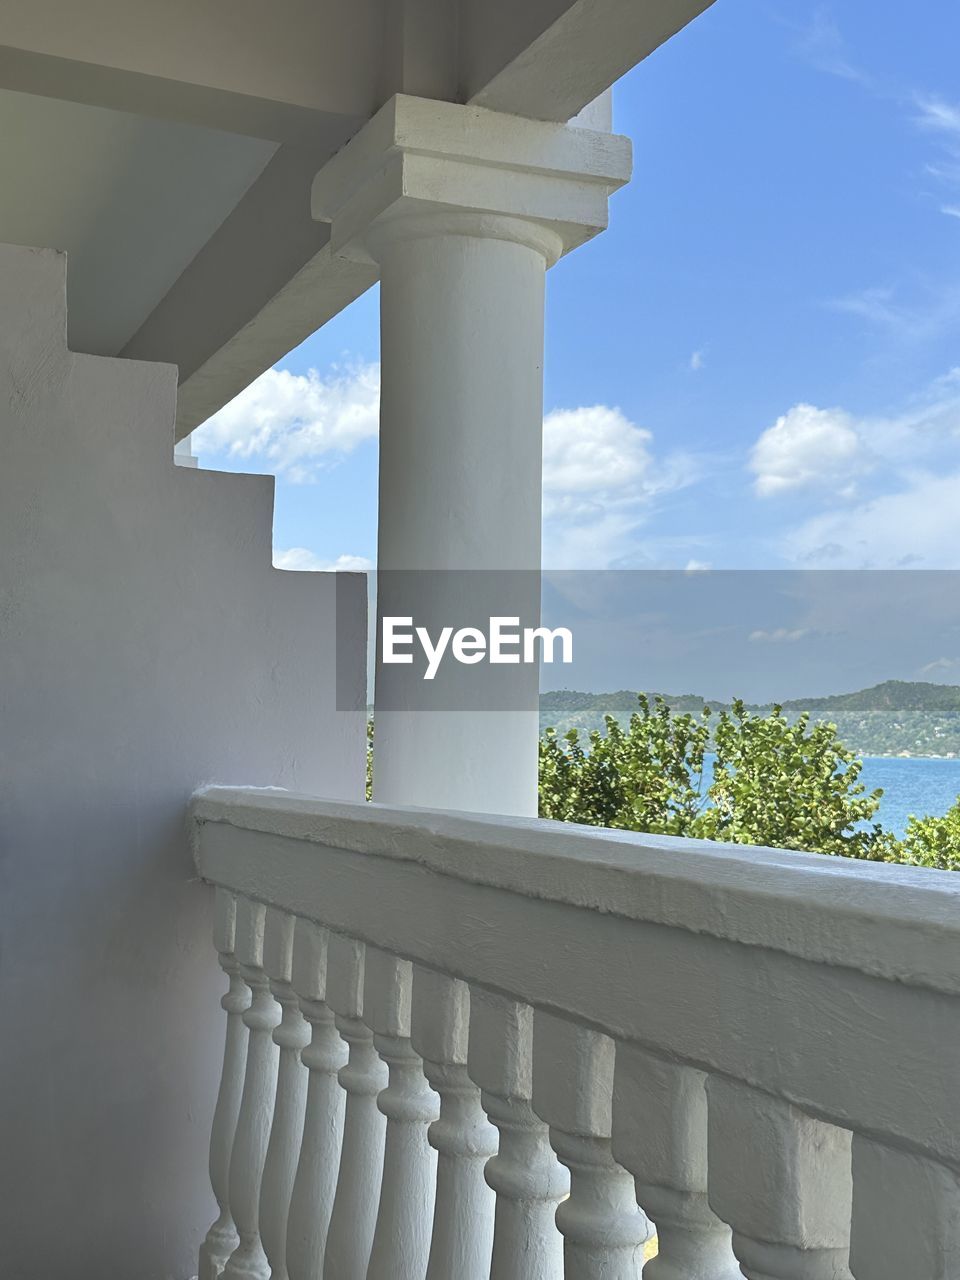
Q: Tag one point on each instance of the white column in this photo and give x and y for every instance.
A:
(603, 1229)
(290, 1037)
(462, 1136)
(463, 209)
(782, 1180)
(401, 1241)
(314, 1186)
(660, 1135)
(906, 1215)
(248, 1261)
(363, 1078)
(460, 468)
(528, 1179)
(222, 1237)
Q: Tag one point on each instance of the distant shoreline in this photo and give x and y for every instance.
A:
(898, 719)
(953, 758)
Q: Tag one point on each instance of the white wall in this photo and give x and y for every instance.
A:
(147, 646)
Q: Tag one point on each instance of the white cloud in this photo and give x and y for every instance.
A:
(875, 304)
(598, 542)
(822, 46)
(916, 527)
(808, 447)
(780, 635)
(894, 482)
(600, 477)
(599, 471)
(932, 308)
(939, 666)
(593, 453)
(696, 361)
(297, 423)
(943, 120)
(939, 115)
(300, 558)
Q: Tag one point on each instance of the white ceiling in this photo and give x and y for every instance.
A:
(130, 199)
(169, 147)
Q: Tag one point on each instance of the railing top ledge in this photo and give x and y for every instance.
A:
(897, 923)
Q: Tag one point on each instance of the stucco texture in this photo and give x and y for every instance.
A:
(147, 647)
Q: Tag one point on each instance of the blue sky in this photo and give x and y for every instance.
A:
(758, 364)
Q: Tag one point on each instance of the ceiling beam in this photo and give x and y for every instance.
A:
(262, 284)
(162, 99)
(321, 289)
(266, 70)
(573, 60)
(419, 51)
(267, 279)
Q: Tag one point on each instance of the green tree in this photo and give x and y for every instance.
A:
(772, 782)
(769, 781)
(648, 777)
(933, 842)
(790, 785)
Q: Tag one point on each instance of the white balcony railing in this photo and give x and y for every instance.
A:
(766, 1040)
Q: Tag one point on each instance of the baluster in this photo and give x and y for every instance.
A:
(354, 1216)
(603, 1228)
(528, 1180)
(401, 1242)
(248, 1261)
(283, 1150)
(315, 1183)
(782, 1181)
(222, 1238)
(906, 1215)
(462, 1136)
(660, 1135)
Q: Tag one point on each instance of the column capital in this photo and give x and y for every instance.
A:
(422, 167)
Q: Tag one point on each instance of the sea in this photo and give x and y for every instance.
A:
(919, 785)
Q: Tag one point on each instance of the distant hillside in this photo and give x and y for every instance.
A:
(898, 717)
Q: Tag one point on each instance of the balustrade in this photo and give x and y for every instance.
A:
(528, 1180)
(323, 1057)
(603, 1229)
(222, 1238)
(291, 1036)
(464, 1139)
(660, 1135)
(401, 1241)
(757, 1050)
(905, 1220)
(354, 1217)
(782, 1181)
(248, 1260)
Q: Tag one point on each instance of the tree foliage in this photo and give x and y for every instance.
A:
(647, 777)
(933, 842)
(791, 785)
(732, 775)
